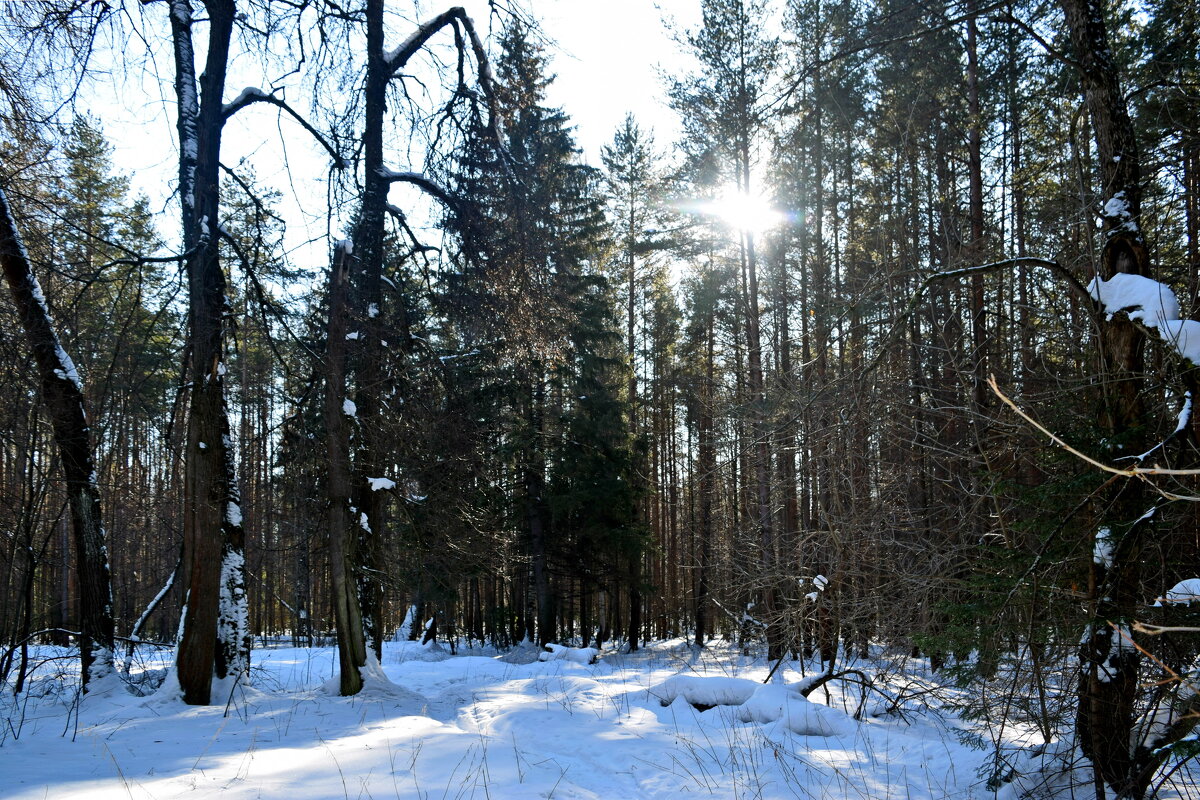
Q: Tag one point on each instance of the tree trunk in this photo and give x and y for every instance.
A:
(1109, 663)
(213, 640)
(62, 394)
(707, 468)
(347, 615)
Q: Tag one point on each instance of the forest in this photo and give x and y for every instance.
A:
(889, 353)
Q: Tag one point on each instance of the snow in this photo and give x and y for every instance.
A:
(1102, 548)
(1153, 304)
(1117, 206)
(1184, 336)
(1185, 592)
(1181, 423)
(66, 369)
(352, 336)
(381, 484)
(704, 691)
(580, 655)
(232, 617)
(1144, 300)
(233, 514)
(419, 33)
(34, 286)
(372, 310)
(455, 356)
(247, 93)
(775, 702)
(480, 724)
(348, 408)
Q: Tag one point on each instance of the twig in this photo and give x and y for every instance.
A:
(1141, 473)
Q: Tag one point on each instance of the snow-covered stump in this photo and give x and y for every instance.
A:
(704, 693)
(579, 655)
(782, 704)
(757, 703)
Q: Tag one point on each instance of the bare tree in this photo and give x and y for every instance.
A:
(357, 510)
(214, 638)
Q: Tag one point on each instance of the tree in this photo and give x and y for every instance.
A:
(357, 508)
(633, 190)
(726, 106)
(1108, 683)
(62, 392)
(529, 245)
(214, 639)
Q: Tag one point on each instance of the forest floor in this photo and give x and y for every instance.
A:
(482, 725)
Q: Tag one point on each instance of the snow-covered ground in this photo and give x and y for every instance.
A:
(478, 725)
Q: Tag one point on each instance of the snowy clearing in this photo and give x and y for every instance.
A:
(476, 725)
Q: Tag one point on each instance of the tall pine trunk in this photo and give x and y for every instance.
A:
(1108, 682)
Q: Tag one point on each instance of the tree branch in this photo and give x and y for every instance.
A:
(251, 95)
(423, 183)
(1141, 473)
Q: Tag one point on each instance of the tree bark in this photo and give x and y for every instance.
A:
(213, 640)
(62, 393)
(347, 614)
(1109, 663)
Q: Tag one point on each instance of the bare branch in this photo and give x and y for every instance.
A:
(1141, 473)
(250, 95)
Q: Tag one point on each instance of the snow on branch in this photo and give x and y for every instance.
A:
(32, 308)
(422, 182)
(398, 58)
(1151, 303)
(458, 18)
(1181, 424)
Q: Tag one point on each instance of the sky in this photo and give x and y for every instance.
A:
(608, 58)
(609, 63)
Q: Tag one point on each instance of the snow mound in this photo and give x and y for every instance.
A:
(378, 686)
(1185, 592)
(417, 651)
(704, 693)
(524, 653)
(580, 655)
(778, 703)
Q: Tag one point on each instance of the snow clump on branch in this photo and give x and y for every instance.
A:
(1151, 303)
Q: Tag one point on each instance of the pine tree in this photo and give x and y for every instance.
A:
(726, 111)
(530, 240)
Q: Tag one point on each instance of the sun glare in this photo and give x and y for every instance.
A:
(744, 212)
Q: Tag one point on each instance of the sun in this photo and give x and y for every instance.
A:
(744, 212)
